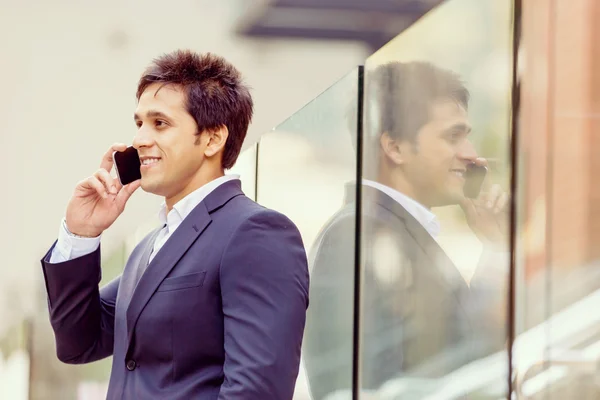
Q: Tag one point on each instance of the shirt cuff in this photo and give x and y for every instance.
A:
(71, 246)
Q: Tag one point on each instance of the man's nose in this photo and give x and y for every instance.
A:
(467, 151)
(143, 138)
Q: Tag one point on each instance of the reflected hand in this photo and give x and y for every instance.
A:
(99, 199)
(487, 215)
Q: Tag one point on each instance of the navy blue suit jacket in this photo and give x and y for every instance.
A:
(218, 314)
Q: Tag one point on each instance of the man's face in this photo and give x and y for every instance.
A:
(166, 141)
(436, 166)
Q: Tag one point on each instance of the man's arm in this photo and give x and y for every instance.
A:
(82, 316)
(264, 288)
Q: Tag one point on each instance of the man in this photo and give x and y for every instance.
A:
(419, 317)
(212, 304)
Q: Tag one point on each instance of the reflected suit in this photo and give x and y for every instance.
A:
(417, 313)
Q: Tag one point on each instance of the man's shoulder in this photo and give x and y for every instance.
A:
(243, 208)
(244, 211)
(372, 216)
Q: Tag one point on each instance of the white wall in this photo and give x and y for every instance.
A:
(69, 71)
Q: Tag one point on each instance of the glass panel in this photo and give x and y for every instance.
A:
(557, 349)
(304, 169)
(435, 222)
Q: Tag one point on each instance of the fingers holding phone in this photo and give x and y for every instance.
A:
(107, 161)
(104, 183)
(485, 206)
(99, 199)
(496, 199)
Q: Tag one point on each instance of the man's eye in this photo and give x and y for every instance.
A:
(455, 137)
(138, 124)
(160, 123)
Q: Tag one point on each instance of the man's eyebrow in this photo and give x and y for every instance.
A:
(459, 127)
(151, 114)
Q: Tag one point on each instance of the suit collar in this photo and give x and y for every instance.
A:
(220, 196)
(446, 269)
(421, 213)
(373, 195)
(185, 206)
(180, 241)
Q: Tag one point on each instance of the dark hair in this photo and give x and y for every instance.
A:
(399, 97)
(216, 95)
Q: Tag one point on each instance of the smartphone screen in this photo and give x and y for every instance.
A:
(127, 165)
(474, 178)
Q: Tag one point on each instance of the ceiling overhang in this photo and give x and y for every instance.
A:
(374, 22)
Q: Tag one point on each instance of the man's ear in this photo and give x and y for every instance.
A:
(216, 140)
(392, 149)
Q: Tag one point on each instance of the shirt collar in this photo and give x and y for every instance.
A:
(184, 207)
(423, 215)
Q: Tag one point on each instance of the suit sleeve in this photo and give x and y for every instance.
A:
(69, 247)
(82, 315)
(264, 288)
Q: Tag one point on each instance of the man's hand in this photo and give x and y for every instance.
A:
(99, 199)
(487, 215)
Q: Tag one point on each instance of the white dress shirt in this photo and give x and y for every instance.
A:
(424, 216)
(493, 263)
(69, 247)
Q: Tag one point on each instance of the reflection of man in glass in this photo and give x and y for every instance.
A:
(420, 319)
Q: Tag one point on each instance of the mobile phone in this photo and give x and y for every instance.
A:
(127, 165)
(474, 177)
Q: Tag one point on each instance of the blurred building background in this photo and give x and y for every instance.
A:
(70, 71)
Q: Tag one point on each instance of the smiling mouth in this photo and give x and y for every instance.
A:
(458, 172)
(148, 161)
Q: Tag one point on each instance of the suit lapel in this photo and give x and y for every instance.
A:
(164, 261)
(438, 257)
(445, 268)
(143, 263)
(174, 248)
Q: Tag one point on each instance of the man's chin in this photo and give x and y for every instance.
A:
(149, 186)
(451, 198)
(457, 198)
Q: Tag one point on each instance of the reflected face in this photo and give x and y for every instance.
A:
(166, 141)
(436, 166)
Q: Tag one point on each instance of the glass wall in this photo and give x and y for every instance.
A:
(435, 205)
(307, 170)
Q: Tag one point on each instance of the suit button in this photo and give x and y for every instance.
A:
(130, 365)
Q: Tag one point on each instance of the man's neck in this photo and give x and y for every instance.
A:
(400, 184)
(195, 184)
